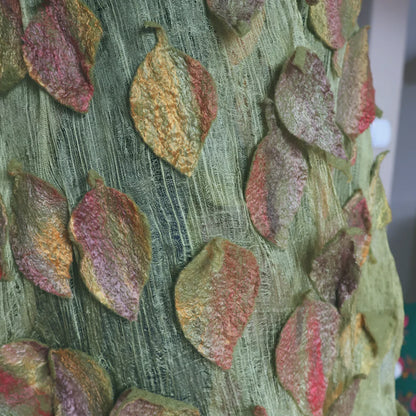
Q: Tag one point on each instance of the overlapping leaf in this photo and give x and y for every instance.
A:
(4, 239)
(334, 21)
(306, 353)
(26, 386)
(59, 47)
(173, 103)
(344, 405)
(275, 186)
(113, 239)
(144, 403)
(12, 65)
(38, 233)
(260, 411)
(356, 108)
(215, 296)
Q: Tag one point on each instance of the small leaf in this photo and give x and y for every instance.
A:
(259, 411)
(173, 103)
(144, 403)
(334, 21)
(59, 47)
(215, 296)
(306, 353)
(113, 238)
(236, 14)
(335, 272)
(82, 387)
(345, 403)
(26, 386)
(4, 240)
(356, 108)
(12, 65)
(275, 185)
(38, 233)
(305, 104)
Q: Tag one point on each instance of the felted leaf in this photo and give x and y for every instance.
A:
(82, 387)
(215, 296)
(4, 239)
(275, 185)
(358, 216)
(306, 352)
(334, 21)
(356, 108)
(305, 104)
(259, 411)
(113, 239)
(26, 386)
(236, 14)
(173, 103)
(38, 233)
(345, 403)
(59, 47)
(335, 272)
(140, 402)
(12, 65)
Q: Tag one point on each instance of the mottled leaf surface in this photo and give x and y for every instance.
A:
(356, 108)
(26, 387)
(275, 185)
(82, 387)
(259, 411)
(215, 296)
(59, 47)
(305, 103)
(140, 402)
(344, 405)
(236, 14)
(334, 21)
(12, 65)
(306, 352)
(173, 102)
(38, 233)
(113, 239)
(335, 272)
(4, 239)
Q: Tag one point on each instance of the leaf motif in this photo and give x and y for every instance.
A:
(140, 402)
(82, 387)
(59, 47)
(334, 21)
(12, 65)
(236, 14)
(305, 104)
(26, 386)
(113, 239)
(275, 186)
(306, 353)
(38, 233)
(4, 239)
(173, 103)
(356, 108)
(259, 411)
(215, 296)
(345, 403)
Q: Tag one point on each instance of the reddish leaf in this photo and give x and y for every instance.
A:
(59, 47)
(4, 239)
(275, 186)
(345, 403)
(356, 108)
(38, 233)
(259, 411)
(306, 353)
(215, 297)
(113, 239)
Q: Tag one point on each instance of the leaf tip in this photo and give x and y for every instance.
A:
(14, 168)
(94, 178)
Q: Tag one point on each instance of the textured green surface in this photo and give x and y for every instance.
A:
(184, 213)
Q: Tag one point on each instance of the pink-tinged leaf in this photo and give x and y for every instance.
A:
(345, 403)
(259, 411)
(113, 239)
(82, 387)
(334, 21)
(335, 272)
(356, 108)
(140, 402)
(306, 353)
(38, 232)
(305, 104)
(12, 65)
(215, 296)
(4, 239)
(59, 47)
(358, 216)
(275, 185)
(26, 387)
(236, 15)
